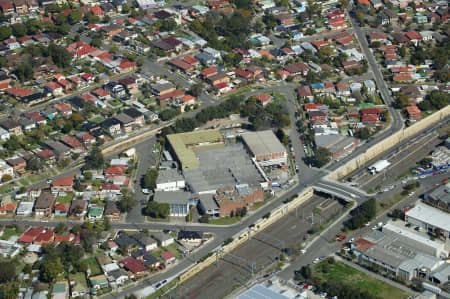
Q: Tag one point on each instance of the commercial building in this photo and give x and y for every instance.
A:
(338, 145)
(440, 197)
(177, 200)
(401, 251)
(265, 148)
(170, 180)
(222, 167)
(184, 145)
(429, 218)
(230, 200)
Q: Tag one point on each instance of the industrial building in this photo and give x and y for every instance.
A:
(184, 145)
(170, 180)
(177, 200)
(222, 167)
(338, 145)
(429, 218)
(401, 251)
(265, 148)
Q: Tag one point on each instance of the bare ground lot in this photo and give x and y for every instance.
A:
(229, 273)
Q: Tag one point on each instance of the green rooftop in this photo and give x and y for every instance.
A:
(366, 105)
(185, 144)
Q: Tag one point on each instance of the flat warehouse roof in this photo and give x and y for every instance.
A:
(263, 142)
(430, 215)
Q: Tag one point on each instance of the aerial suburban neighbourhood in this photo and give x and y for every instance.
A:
(224, 149)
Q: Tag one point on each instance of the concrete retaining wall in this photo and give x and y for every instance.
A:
(243, 236)
(388, 143)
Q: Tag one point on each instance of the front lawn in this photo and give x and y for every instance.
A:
(224, 221)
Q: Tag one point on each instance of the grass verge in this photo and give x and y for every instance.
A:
(349, 275)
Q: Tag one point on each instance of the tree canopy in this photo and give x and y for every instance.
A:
(95, 159)
(157, 210)
(321, 156)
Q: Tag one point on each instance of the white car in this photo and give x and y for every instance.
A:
(303, 251)
(352, 240)
(145, 190)
(316, 261)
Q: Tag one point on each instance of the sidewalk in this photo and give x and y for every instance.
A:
(377, 276)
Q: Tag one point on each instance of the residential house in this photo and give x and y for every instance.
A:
(99, 281)
(17, 163)
(190, 236)
(44, 204)
(62, 184)
(64, 109)
(61, 209)
(137, 116)
(54, 88)
(78, 207)
(12, 126)
(168, 257)
(58, 149)
(126, 122)
(163, 239)
(111, 126)
(134, 266)
(413, 113)
(45, 238)
(146, 242)
(111, 210)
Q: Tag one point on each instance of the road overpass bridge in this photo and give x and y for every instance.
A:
(341, 191)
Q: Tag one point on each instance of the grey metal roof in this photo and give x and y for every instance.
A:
(175, 197)
(263, 142)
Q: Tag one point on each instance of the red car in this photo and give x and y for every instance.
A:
(340, 238)
(436, 173)
(445, 180)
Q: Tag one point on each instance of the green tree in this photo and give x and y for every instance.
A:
(24, 72)
(196, 89)
(127, 201)
(363, 133)
(157, 210)
(96, 42)
(5, 32)
(204, 219)
(60, 228)
(74, 17)
(7, 271)
(19, 30)
(95, 159)
(150, 178)
(33, 26)
(306, 272)
(321, 156)
(51, 268)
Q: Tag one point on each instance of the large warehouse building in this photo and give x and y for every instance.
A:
(429, 218)
(265, 148)
(184, 145)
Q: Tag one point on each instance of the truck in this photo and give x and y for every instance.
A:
(379, 166)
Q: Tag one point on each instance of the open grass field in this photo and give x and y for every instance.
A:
(342, 272)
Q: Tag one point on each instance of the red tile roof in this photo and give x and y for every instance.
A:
(371, 111)
(133, 265)
(308, 107)
(72, 142)
(190, 60)
(363, 244)
(18, 91)
(52, 85)
(127, 65)
(412, 110)
(31, 234)
(63, 107)
(63, 182)
(46, 154)
(115, 170)
(168, 255)
(62, 207)
(10, 207)
(100, 92)
(45, 237)
(97, 10)
(413, 35)
(263, 98)
(242, 73)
